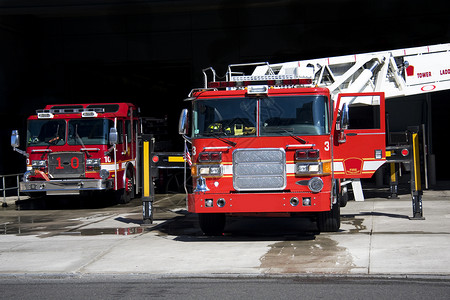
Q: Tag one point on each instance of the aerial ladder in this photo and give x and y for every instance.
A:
(397, 73)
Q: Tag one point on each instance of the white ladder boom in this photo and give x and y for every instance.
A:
(397, 73)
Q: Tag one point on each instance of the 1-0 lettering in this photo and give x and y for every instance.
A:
(59, 167)
(74, 163)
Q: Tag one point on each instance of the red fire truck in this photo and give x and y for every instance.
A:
(276, 145)
(72, 149)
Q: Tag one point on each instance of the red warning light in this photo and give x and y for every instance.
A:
(410, 71)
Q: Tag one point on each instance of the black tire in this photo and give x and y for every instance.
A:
(330, 221)
(212, 224)
(343, 198)
(125, 195)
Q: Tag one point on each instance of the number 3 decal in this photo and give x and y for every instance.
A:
(326, 146)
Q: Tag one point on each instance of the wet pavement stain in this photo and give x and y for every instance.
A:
(71, 215)
(355, 222)
(322, 255)
(25, 224)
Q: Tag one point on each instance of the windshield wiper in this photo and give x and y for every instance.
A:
(297, 138)
(215, 135)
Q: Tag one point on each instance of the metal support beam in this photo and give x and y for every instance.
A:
(393, 182)
(416, 184)
(148, 189)
(357, 189)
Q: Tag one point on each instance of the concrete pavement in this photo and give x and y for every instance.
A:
(376, 238)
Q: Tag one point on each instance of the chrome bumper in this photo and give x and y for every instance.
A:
(66, 185)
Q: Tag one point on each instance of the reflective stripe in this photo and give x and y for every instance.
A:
(369, 165)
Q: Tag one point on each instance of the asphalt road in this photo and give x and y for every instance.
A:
(147, 287)
(73, 236)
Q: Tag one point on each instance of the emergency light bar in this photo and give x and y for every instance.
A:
(268, 82)
(86, 112)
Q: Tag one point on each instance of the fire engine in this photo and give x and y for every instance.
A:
(288, 138)
(73, 149)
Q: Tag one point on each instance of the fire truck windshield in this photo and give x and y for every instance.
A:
(80, 132)
(278, 116)
(46, 132)
(89, 131)
(230, 117)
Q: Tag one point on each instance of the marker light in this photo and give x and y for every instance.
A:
(312, 154)
(89, 114)
(306, 201)
(45, 115)
(209, 202)
(257, 89)
(210, 157)
(378, 154)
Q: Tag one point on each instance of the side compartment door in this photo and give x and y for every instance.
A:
(359, 142)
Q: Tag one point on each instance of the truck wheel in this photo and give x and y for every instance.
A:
(343, 198)
(330, 221)
(125, 195)
(212, 224)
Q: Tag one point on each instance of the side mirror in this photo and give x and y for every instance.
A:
(343, 123)
(113, 136)
(184, 122)
(15, 140)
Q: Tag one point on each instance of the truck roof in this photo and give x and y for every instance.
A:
(86, 110)
(201, 94)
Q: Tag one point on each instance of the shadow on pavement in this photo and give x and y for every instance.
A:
(186, 229)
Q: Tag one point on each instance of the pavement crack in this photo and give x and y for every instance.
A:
(99, 256)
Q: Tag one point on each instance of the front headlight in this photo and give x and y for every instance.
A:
(93, 164)
(37, 164)
(209, 170)
(308, 168)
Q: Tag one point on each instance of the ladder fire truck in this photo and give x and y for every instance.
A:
(288, 138)
(73, 149)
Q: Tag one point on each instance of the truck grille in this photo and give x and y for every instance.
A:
(259, 169)
(66, 165)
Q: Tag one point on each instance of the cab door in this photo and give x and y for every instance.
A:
(359, 142)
